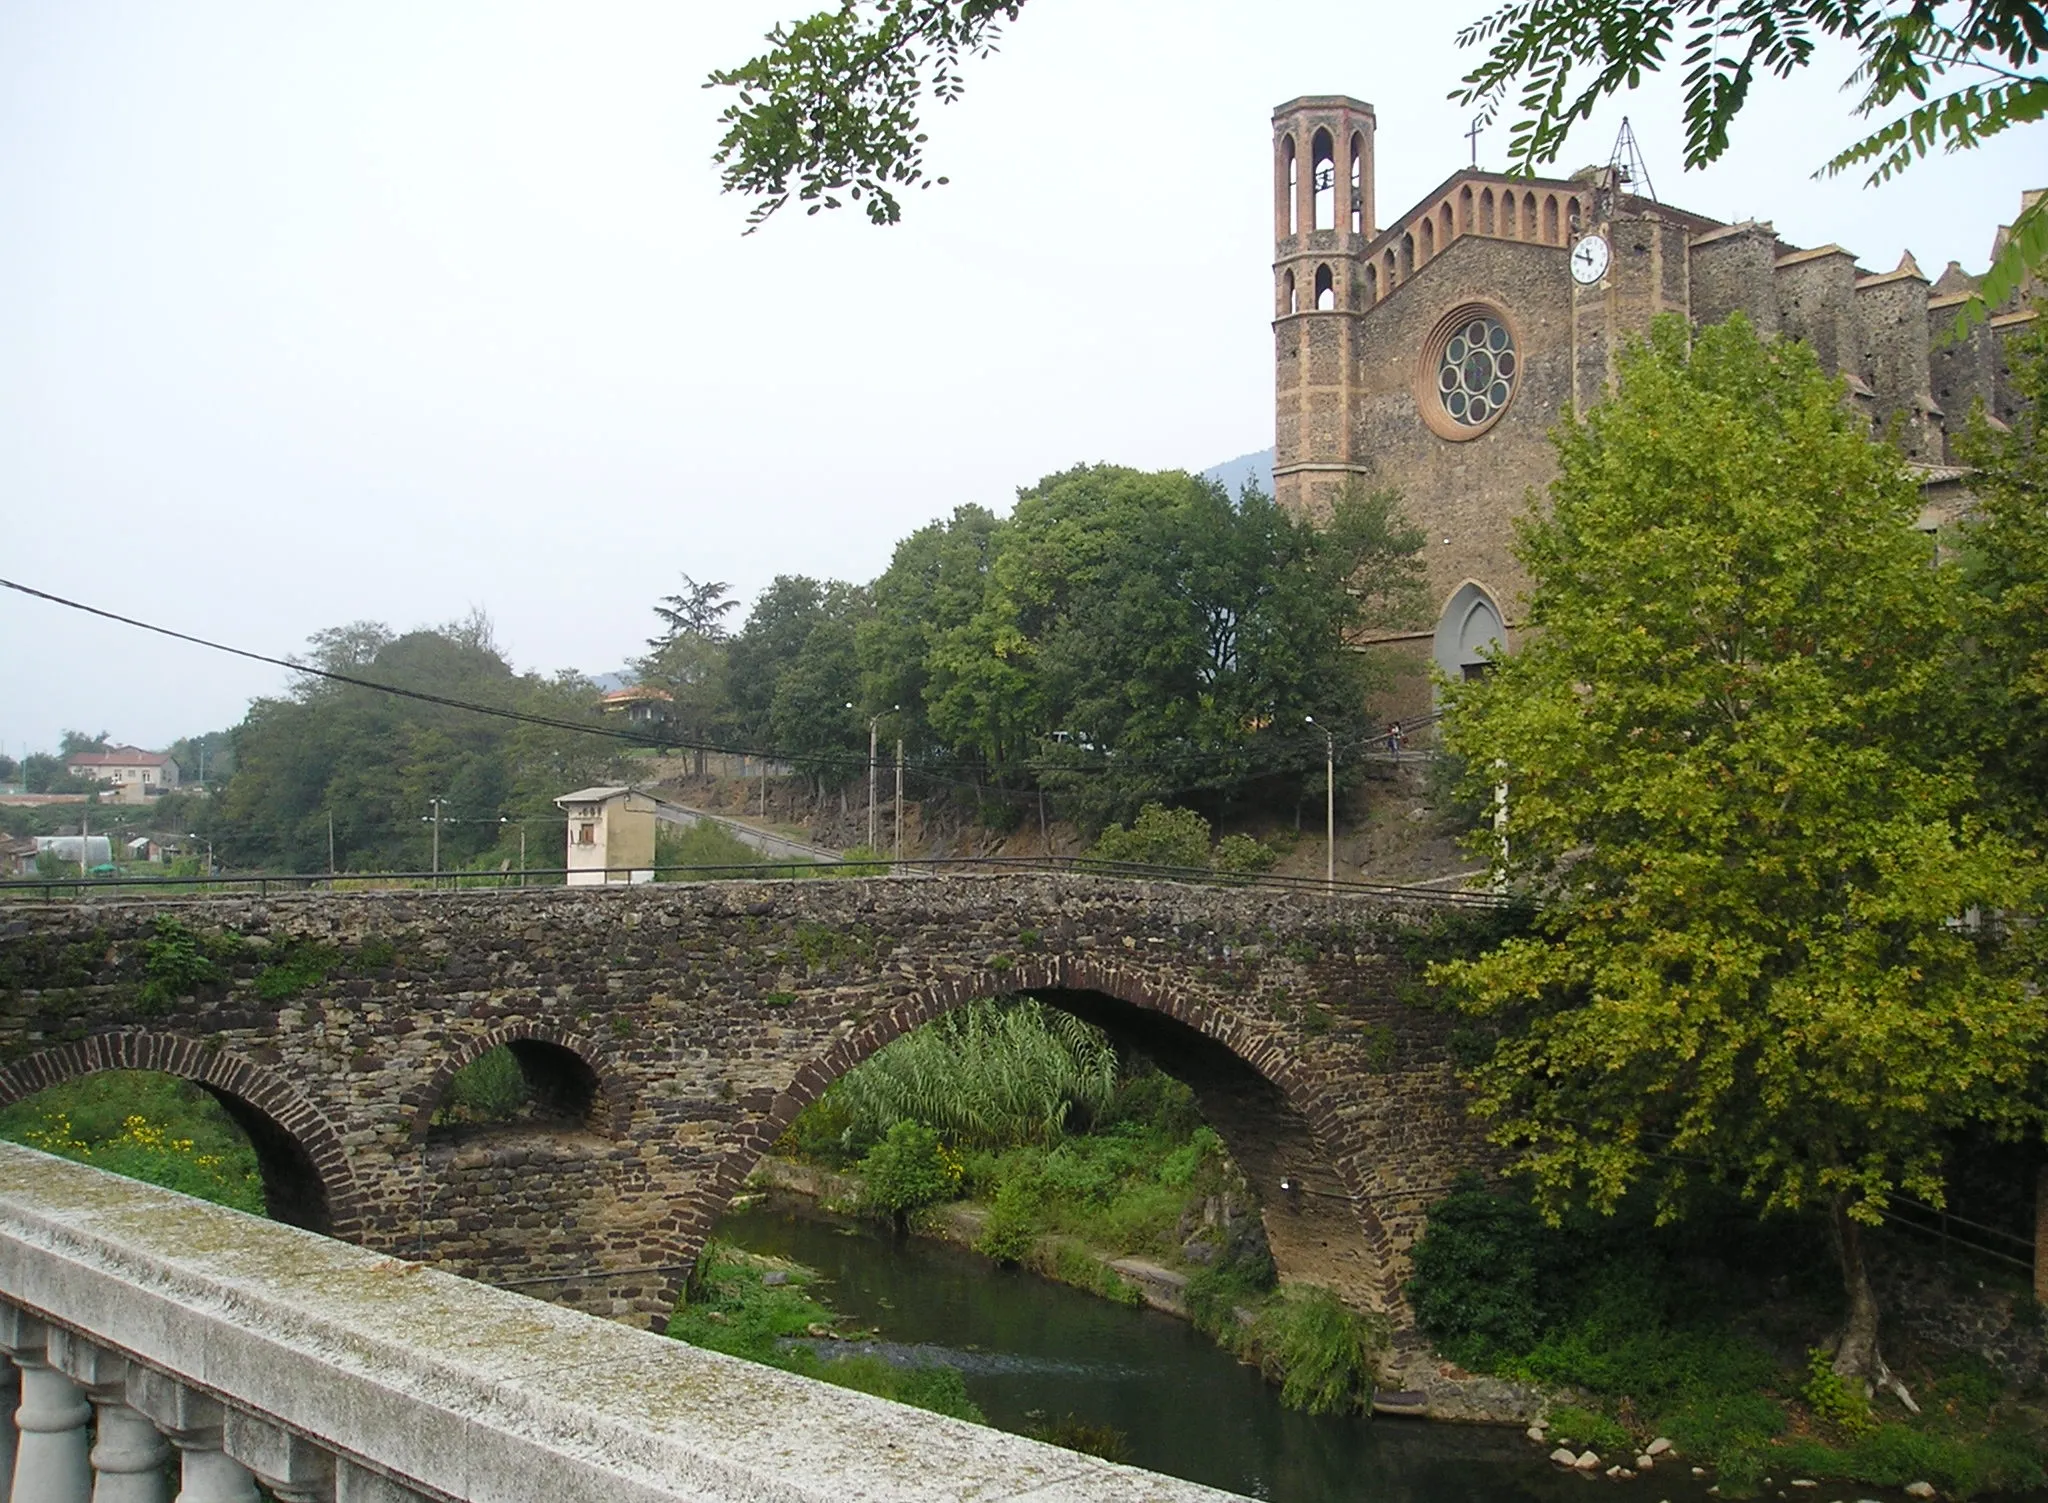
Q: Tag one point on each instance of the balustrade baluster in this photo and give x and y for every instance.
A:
(354, 1484)
(207, 1474)
(51, 1463)
(128, 1457)
(10, 1400)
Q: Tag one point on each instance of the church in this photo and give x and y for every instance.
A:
(1433, 354)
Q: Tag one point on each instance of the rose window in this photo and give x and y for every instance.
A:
(1475, 375)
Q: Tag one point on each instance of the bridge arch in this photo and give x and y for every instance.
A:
(307, 1178)
(1320, 1213)
(570, 1067)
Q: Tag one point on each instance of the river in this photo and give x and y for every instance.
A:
(1029, 1348)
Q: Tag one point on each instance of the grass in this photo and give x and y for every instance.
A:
(731, 1309)
(147, 1126)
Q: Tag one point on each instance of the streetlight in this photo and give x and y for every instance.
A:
(1329, 803)
(872, 726)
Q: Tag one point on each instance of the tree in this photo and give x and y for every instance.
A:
(687, 661)
(1143, 638)
(812, 715)
(1761, 859)
(43, 773)
(829, 112)
(374, 762)
(781, 618)
(935, 582)
(76, 743)
(2004, 548)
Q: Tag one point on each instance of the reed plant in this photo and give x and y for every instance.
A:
(990, 1075)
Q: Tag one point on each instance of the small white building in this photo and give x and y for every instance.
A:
(611, 835)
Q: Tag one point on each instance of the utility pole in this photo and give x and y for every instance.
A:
(1329, 804)
(330, 842)
(437, 839)
(896, 851)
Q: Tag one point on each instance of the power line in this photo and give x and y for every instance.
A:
(1036, 766)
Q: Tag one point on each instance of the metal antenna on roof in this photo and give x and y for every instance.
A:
(1631, 175)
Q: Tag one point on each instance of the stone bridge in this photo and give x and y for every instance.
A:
(672, 1032)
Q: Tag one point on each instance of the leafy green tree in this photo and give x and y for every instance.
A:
(9, 768)
(770, 640)
(2004, 548)
(374, 762)
(1142, 637)
(43, 773)
(687, 661)
(74, 743)
(935, 583)
(830, 112)
(812, 715)
(1761, 859)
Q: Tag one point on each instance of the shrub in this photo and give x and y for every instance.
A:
(1159, 836)
(1833, 1401)
(1582, 1429)
(1477, 1272)
(175, 964)
(1325, 1354)
(699, 849)
(490, 1088)
(1106, 1441)
(1721, 1426)
(907, 1170)
(990, 1074)
(1241, 853)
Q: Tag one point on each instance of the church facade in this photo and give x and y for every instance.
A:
(1433, 354)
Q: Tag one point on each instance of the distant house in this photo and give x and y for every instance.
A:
(639, 704)
(17, 856)
(611, 835)
(130, 774)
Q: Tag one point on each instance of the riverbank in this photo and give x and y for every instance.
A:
(1600, 1391)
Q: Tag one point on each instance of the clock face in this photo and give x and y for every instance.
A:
(1589, 260)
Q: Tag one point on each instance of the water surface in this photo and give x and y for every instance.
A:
(1032, 1349)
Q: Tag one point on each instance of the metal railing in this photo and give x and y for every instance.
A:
(263, 884)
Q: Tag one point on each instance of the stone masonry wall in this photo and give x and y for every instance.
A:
(705, 1016)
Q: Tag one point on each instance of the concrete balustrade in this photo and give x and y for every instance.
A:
(142, 1325)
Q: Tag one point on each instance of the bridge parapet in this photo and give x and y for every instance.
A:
(140, 1324)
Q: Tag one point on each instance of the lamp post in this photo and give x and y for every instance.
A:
(1329, 803)
(874, 725)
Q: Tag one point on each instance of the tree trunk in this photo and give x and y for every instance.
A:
(2041, 1235)
(1856, 1353)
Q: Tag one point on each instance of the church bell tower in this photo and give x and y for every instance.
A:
(1322, 223)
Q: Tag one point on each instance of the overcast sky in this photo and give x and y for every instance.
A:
(318, 312)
